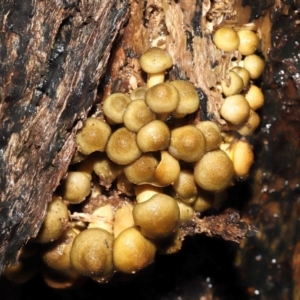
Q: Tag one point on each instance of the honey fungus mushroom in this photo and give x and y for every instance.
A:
(55, 222)
(91, 253)
(226, 39)
(114, 107)
(214, 171)
(235, 109)
(255, 65)
(153, 137)
(187, 143)
(93, 136)
(132, 251)
(157, 217)
(212, 134)
(235, 86)
(122, 147)
(76, 187)
(248, 41)
(188, 98)
(162, 98)
(155, 62)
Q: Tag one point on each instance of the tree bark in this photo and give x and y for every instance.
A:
(53, 54)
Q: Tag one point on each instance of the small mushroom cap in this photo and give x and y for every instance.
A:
(91, 253)
(57, 255)
(187, 143)
(186, 212)
(141, 170)
(243, 73)
(214, 171)
(167, 170)
(155, 60)
(145, 191)
(114, 107)
(154, 136)
(204, 200)
(138, 94)
(188, 98)
(226, 39)
(157, 217)
(162, 98)
(76, 187)
(248, 41)
(212, 134)
(57, 217)
(243, 158)
(132, 251)
(250, 125)
(255, 65)
(122, 147)
(255, 97)
(93, 136)
(137, 115)
(235, 109)
(185, 185)
(235, 86)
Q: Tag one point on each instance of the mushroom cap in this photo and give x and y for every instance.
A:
(144, 192)
(226, 39)
(153, 136)
(255, 65)
(212, 134)
(93, 136)
(185, 185)
(235, 86)
(137, 115)
(76, 187)
(91, 253)
(187, 143)
(167, 170)
(155, 60)
(243, 158)
(114, 107)
(132, 251)
(250, 125)
(214, 171)
(243, 73)
(57, 255)
(141, 170)
(188, 98)
(255, 97)
(138, 94)
(122, 147)
(57, 217)
(157, 217)
(162, 98)
(248, 41)
(235, 109)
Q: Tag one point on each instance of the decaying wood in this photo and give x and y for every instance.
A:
(53, 54)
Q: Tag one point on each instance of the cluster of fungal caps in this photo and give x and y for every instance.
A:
(142, 172)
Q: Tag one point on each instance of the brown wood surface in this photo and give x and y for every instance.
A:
(53, 54)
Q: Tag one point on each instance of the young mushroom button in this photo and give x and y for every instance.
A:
(155, 62)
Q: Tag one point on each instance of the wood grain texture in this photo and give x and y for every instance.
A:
(53, 54)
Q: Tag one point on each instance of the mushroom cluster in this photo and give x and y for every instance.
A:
(145, 166)
(242, 96)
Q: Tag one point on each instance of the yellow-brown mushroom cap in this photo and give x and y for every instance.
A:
(255, 97)
(122, 147)
(226, 39)
(188, 98)
(162, 98)
(93, 136)
(155, 60)
(235, 109)
(141, 170)
(187, 143)
(114, 107)
(250, 125)
(154, 136)
(214, 171)
(235, 86)
(255, 65)
(248, 41)
(212, 134)
(243, 73)
(137, 115)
